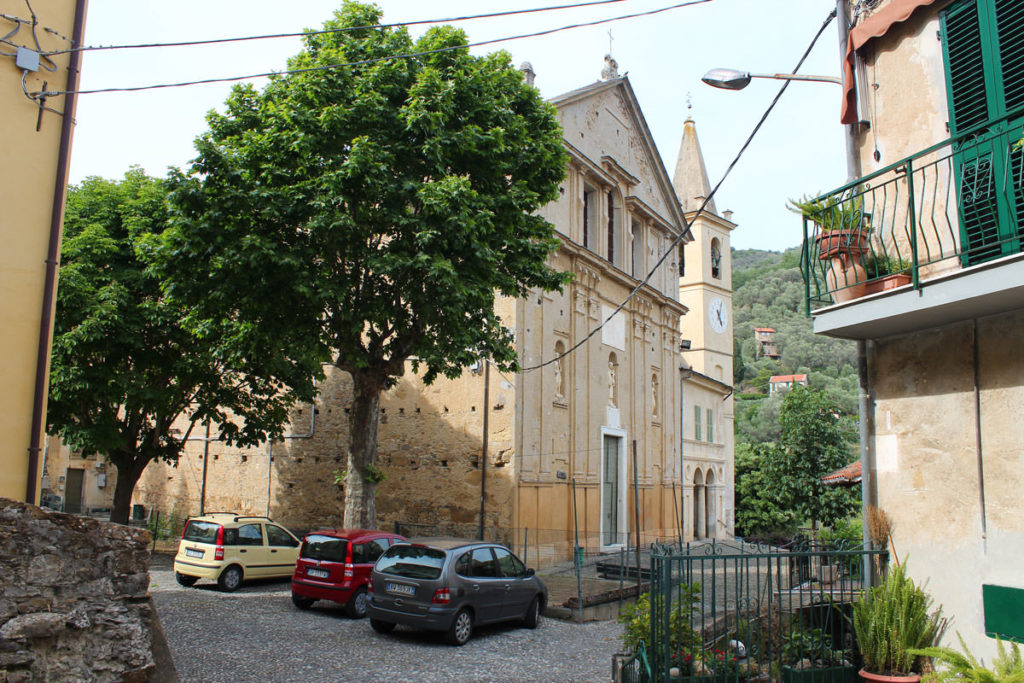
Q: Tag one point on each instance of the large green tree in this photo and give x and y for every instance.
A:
(816, 438)
(127, 378)
(366, 208)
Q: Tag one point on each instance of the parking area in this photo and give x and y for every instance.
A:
(256, 634)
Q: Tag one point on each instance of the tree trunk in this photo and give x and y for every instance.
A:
(360, 486)
(129, 469)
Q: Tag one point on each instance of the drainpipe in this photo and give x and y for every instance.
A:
(866, 409)
(52, 257)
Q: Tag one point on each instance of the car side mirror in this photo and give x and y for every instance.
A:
(530, 572)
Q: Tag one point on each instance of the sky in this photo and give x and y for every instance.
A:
(798, 151)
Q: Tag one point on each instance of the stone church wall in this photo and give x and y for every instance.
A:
(74, 602)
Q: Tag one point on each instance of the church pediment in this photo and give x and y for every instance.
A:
(605, 132)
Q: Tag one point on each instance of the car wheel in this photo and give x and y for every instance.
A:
(532, 618)
(382, 626)
(461, 628)
(230, 579)
(302, 602)
(185, 580)
(356, 607)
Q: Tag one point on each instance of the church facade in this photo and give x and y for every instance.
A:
(588, 444)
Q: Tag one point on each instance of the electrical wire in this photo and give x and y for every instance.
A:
(408, 55)
(700, 210)
(298, 34)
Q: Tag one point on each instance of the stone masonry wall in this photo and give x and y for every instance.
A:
(74, 602)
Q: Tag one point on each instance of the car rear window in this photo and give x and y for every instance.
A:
(201, 532)
(319, 547)
(412, 562)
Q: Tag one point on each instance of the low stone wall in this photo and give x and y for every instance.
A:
(74, 601)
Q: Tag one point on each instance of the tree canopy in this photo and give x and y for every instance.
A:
(365, 209)
(124, 368)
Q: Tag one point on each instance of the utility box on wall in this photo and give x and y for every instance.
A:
(1003, 608)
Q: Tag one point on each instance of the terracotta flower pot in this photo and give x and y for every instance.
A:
(888, 282)
(883, 678)
(845, 276)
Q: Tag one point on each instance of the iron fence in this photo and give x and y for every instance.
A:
(730, 612)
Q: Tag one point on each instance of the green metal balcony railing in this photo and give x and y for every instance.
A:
(955, 204)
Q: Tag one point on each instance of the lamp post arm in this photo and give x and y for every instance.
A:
(800, 77)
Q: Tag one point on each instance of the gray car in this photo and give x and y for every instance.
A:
(451, 585)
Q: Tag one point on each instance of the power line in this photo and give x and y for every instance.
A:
(328, 67)
(700, 210)
(298, 34)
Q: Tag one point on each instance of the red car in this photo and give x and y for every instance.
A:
(335, 564)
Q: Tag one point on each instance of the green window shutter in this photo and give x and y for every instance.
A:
(983, 42)
(696, 423)
(965, 68)
(1010, 27)
(711, 426)
(1009, 17)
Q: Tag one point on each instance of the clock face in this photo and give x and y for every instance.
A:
(718, 314)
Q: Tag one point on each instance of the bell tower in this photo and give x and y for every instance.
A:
(705, 281)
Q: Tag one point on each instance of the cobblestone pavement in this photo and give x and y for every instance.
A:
(256, 634)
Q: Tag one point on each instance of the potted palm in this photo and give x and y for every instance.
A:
(892, 622)
(842, 240)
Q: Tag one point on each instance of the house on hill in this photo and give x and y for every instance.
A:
(777, 383)
(765, 344)
(546, 456)
(934, 97)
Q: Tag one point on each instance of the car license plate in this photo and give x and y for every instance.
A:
(192, 552)
(317, 573)
(402, 588)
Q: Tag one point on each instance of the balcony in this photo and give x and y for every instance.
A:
(934, 238)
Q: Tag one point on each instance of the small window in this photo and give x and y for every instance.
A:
(374, 549)
(324, 548)
(483, 564)
(201, 532)
(250, 534)
(716, 259)
(412, 562)
(711, 426)
(462, 566)
(510, 565)
(279, 537)
(696, 423)
(682, 259)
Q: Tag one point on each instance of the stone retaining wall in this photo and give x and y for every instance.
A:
(74, 601)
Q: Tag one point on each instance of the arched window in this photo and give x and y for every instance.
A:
(716, 258)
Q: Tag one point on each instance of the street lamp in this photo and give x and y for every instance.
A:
(733, 79)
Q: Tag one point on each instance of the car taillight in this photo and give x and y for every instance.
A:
(442, 596)
(183, 530)
(350, 571)
(218, 554)
(369, 587)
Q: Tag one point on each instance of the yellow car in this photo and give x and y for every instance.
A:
(229, 548)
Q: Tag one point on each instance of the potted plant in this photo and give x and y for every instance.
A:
(842, 240)
(892, 621)
(964, 668)
(886, 272)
